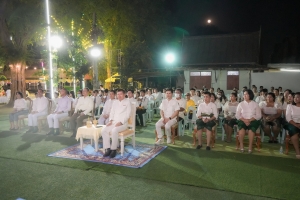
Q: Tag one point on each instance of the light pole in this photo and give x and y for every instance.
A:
(170, 59)
(56, 42)
(95, 53)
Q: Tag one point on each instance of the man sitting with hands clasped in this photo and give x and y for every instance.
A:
(169, 110)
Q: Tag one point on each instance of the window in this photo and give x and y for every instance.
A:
(233, 79)
(199, 79)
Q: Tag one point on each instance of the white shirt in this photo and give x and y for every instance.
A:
(120, 111)
(195, 98)
(98, 101)
(143, 102)
(8, 93)
(40, 104)
(63, 104)
(230, 109)
(218, 104)
(260, 99)
(20, 104)
(182, 104)
(248, 110)
(293, 113)
(107, 107)
(157, 95)
(133, 100)
(85, 104)
(269, 110)
(149, 97)
(169, 107)
(204, 108)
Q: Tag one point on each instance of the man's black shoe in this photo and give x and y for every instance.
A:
(107, 153)
(113, 154)
(199, 147)
(56, 131)
(208, 148)
(51, 131)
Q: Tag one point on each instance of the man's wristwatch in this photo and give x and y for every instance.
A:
(170, 118)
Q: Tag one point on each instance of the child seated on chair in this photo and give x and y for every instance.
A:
(207, 114)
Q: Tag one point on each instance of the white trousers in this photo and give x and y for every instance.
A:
(102, 120)
(114, 131)
(32, 118)
(168, 125)
(53, 119)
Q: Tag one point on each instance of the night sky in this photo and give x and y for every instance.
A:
(278, 19)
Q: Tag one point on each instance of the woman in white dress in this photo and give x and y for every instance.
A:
(20, 108)
(293, 119)
(229, 120)
(271, 117)
(248, 115)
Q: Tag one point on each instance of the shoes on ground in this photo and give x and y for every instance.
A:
(159, 141)
(208, 148)
(113, 153)
(199, 147)
(107, 153)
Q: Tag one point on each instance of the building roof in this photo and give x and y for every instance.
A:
(221, 50)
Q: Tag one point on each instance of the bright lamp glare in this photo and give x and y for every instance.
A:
(290, 70)
(95, 52)
(56, 42)
(170, 58)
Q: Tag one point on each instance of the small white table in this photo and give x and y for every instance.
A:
(92, 133)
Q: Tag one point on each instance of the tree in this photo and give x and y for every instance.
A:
(20, 25)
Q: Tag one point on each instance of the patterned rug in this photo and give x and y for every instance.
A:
(134, 158)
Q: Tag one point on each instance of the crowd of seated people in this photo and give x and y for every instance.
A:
(247, 110)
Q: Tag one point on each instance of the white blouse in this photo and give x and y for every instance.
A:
(20, 104)
(269, 110)
(209, 108)
(293, 113)
(248, 110)
(230, 109)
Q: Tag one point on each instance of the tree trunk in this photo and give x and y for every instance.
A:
(17, 71)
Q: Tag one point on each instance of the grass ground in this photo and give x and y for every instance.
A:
(179, 172)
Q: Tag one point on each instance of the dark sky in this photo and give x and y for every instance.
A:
(278, 19)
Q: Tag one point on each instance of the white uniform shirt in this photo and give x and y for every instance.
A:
(20, 104)
(40, 104)
(97, 102)
(143, 102)
(260, 99)
(107, 107)
(230, 109)
(169, 107)
(182, 104)
(63, 104)
(85, 104)
(196, 99)
(133, 100)
(120, 111)
(248, 110)
(149, 97)
(157, 96)
(208, 109)
(269, 110)
(293, 113)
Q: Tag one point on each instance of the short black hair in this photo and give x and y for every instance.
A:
(121, 90)
(251, 94)
(88, 89)
(208, 93)
(179, 89)
(169, 89)
(234, 94)
(112, 91)
(192, 89)
(20, 93)
(130, 90)
(95, 91)
(143, 91)
(272, 94)
(213, 94)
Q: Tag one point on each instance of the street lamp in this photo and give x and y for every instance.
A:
(170, 59)
(95, 52)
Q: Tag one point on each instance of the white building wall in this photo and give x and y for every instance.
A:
(287, 80)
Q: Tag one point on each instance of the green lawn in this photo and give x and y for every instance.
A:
(179, 172)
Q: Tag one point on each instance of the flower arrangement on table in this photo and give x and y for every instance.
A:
(207, 115)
